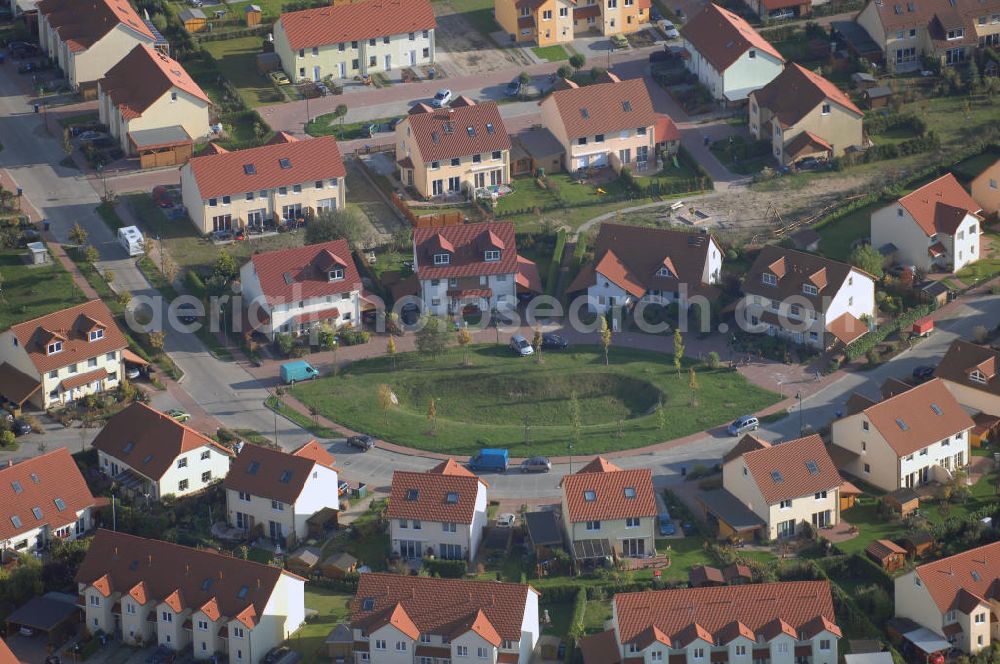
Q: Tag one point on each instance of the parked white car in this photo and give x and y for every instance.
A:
(669, 29)
(442, 98)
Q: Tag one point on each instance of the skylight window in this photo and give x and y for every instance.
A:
(37, 511)
(129, 446)
(585, 113)
(489, 128)
(368, 604)
(452, 497)
(975, 576)
(286, 477)
(249, 169)
(285, 163)
(630, 492)
(590, 495)
(60, 504)
(34, 478)
(471, 131)
(937, 409)
(901, 424)
(812, 467)
(776, 476)
(627, 106)
(206, 584)
(16, 520)
(253, 468)
(243, 592)
(134, 565)
(149, 457)
(16, 486)
(412, 494)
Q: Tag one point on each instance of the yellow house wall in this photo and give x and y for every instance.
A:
(424, 175)
(91, 65)
(986, 196)
(881, 459)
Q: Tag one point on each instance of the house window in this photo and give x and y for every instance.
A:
(492, 255)
(277, 505)
(435, 165)
(769, 279)
(96, 334)
(980, 618)
(245, 496)
(785, 505)
(698, 653)
(449, 527)
(403, 523)
(206, 454)
(336, 274)
(456, 161)
(203, 625)
(582, 140)
(741, 651)
(563, 12)
(182, 462)
(182, 485)
(53, 348)
(206, 476)
(751, 54)
(497, 155)
(864, 425)
(462, 651)
(632, 522)
(821, 495)
(167, 616)
(416, 524)
(442, 259)
(477, 159)
(400, 646)
(547, 15)
(593, 525)
(956, 33)
(379, 644)
(868, 469)
(95, 600)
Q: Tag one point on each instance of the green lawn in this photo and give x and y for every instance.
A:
(987, 267)
(597, 613)
(733, 154)
(488, 403)
(237, 61)
(332, 608)
(29, 292)
(553, 53)
(528, 195)
(329, 125)
(366, 540)
(839, 235)
(685, 553)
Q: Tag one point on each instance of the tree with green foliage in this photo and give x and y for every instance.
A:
(90, 254)
(464, 338)
(536, 344)
(524, 78)
(577, 61)
(565, 71)
(597, 72)
(347, 223)
(432, 337)
(78, 235)
(605, 338)
(713, 360)
(285, 343)
(327, 336)
(385, 400)
(390, 350)
(225, 267)
(678, 350)
(867, 258)
(6, 438)
(156, 340)
(692, 380)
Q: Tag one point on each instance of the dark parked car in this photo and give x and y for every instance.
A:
(20, 427)
(923, 372)
(275, 654)
(554, 342)
(27, 68)
(514, 88)
(537, 464)
(187, 313)
(362, 442)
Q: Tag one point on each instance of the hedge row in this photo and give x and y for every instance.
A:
(876, 336)
(446, 569)
(575, 625)
(557, 256)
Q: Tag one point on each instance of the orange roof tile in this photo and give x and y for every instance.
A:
(298, 273)
(665, 130)
(52, 483)
(796, 91)
(143, 77)
(356, 21)
(598, 465)
(847, 328)
(448, 497)
(399, 619)
(914, 419)
(72, 327)
(273, 473)
(722, 37)
(6, 656)
(466, 244)
(976, 572)
(149, 441)
(939, 206)
(604, 108)
(447, 133)
(792, 469)
(609, 495)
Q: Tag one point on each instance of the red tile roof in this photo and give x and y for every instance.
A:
(288, 275)
(796, 91)
(6, 656)
(446, 493)
(964, 360)
(910, 421)
(72, 327)
(630, 257)
(939, 206)
(83, 379)
(793, 269)
(593, 495)
(447, 133)
(975, 572)
(275, 474)
(722, 37)
(665, 130)
(155, 570)
(598, 465)
(884, 548)
(600, 648)
(356, 21)
(442, 606)
(602, 108)
(466, 244)
(45, 482)
(144, 76)
(847, 328)
(85, 22)
(725, 610)
(15, 385)
(795, 468)
(149, 441)
(226, 174)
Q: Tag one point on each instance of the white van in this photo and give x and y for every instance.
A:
(130, 237)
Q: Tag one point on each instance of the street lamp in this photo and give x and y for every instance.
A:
(798, 397)
(569, 448)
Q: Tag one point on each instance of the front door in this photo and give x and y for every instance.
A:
(274, 530)
(316, 75)
(413, 57)
(343, 70)
(388, 62)
(409, 550)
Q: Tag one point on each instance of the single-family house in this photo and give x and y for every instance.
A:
(470, 265)
(604, 124)
(969, 371)
(63, 356)
(608, 511)
(933, 227)
(786, 484)
(89, 37)
(441, 512)
(456, 150)
(918, 436)
(957, 598)
(790, 621)
(150, 454)
(295, 290)
(807, 298)
(274, 183)
(728, 56)
(273, 493)
(153, 107)
(804, 115)
(164, 594)
(640, 266)
(416, 619)
(906, 31)
(44, 499)
(345, 40)
(986, 187)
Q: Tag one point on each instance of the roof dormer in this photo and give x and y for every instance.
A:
(666, 268)
(441, 249)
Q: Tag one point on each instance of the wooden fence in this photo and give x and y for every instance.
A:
(427, 220)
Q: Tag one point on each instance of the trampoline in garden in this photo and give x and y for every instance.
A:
(494, 191)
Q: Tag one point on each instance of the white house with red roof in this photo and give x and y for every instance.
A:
(43, 499)
(470, 265)
(729, 57)
(416, 619)
(219, 606)
(89, 37)
(441, 512)
(783, 623)
(957, 598)
(355, 39)
(151, 104)
(294, 290)
(936, 226)
(283, 181)
(61, 357)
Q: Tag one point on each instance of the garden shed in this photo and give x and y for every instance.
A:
(338, 565)
(194, 19)
(253, 15)
(878, 97)
(887, 554)
(918, 544)
(339, 644)
(904, 501)
(848, 495)
(303, 561)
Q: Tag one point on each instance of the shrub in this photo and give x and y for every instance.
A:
(285, 342)
(195, 283)
(447, 569)
(353, 337)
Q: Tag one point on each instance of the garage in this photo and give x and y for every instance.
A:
(54, 615)
(164, 146)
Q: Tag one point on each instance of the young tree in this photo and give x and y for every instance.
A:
(156, 339)
(661, 415)
(692, 380)
(109, 276)
(169, 268)
(605, 338)
(349, 224)
(341, 112)
(564, 72)
(225, 266)
(536, 343)
(577, 61)
(432, 415)
(385, 400)
(868, 259)
(678, 350)
(575, 421)
(390, 350)
(123, 298)
(90, 254)
(713, 360)
(524, 78)
(78, 235)
(433, 337)
(464, 338)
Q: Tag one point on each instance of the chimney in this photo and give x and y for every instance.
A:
(258, 584)
(150, 560)
(220, 575)
(187, 568)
